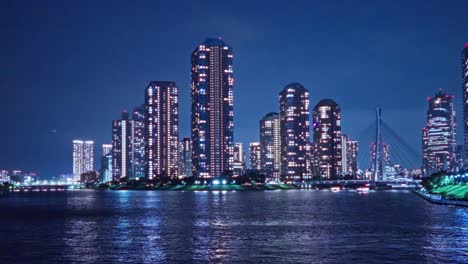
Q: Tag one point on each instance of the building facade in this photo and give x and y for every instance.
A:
(106, 163)
(83, 158)
(270, 145)
(185, 157)
(239, 160)
(255, 156)
(4, 176)
(162, 129)
(212, 109)
(294, 132)
(349, 154)
(138, 141)
(465, 99)
(439, 135)
(121, 147)
(327, 139)
(106, 149)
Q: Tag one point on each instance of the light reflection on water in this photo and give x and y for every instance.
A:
(285, 226)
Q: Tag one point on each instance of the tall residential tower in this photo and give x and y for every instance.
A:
(83, 158)
(162, 129)
(212, 109)
(349, 154)
(294, 131)
(254, 156)
(327, 139)
(138, 141)
(121, 147)
(270, 145)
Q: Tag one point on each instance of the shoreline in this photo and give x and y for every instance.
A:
(440, 200)
(195, 188)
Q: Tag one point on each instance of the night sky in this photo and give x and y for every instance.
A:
(68, 68)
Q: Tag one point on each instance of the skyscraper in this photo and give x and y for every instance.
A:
(294, 131)
(162, 129)
(185, 157)
(106, 163)
(270, 145)
(83, 158)
(465, 98)
(327, 139)
(349, 152)
(254, 156)
(121, 147)
(137, 131)
(212, 109)
(439, 135)
(239, 159)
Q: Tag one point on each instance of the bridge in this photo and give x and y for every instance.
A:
(397, 184)
(384, 153)
(45, 186)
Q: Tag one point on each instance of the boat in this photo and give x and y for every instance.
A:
(335, 189)
(363, 189)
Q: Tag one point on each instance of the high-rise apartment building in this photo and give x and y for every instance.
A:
(83, 158)
(327, 139)
(212, 109)
(270, 145)
(294, 132)
(138, 141)
(349, 153)
(254, 156)
(439, 135)
(162, 129)
(121, 147)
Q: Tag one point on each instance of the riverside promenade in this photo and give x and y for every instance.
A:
(438, 199)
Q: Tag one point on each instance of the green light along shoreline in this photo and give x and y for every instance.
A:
(221, 187)
(438, 199)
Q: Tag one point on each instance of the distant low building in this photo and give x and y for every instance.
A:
(90, 177)
(4, 176)
(66, 177)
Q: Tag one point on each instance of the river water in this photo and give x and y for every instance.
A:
(295, 226)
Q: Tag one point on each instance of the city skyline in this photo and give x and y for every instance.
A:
(445, 53)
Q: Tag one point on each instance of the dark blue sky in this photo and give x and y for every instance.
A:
(73, 66)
